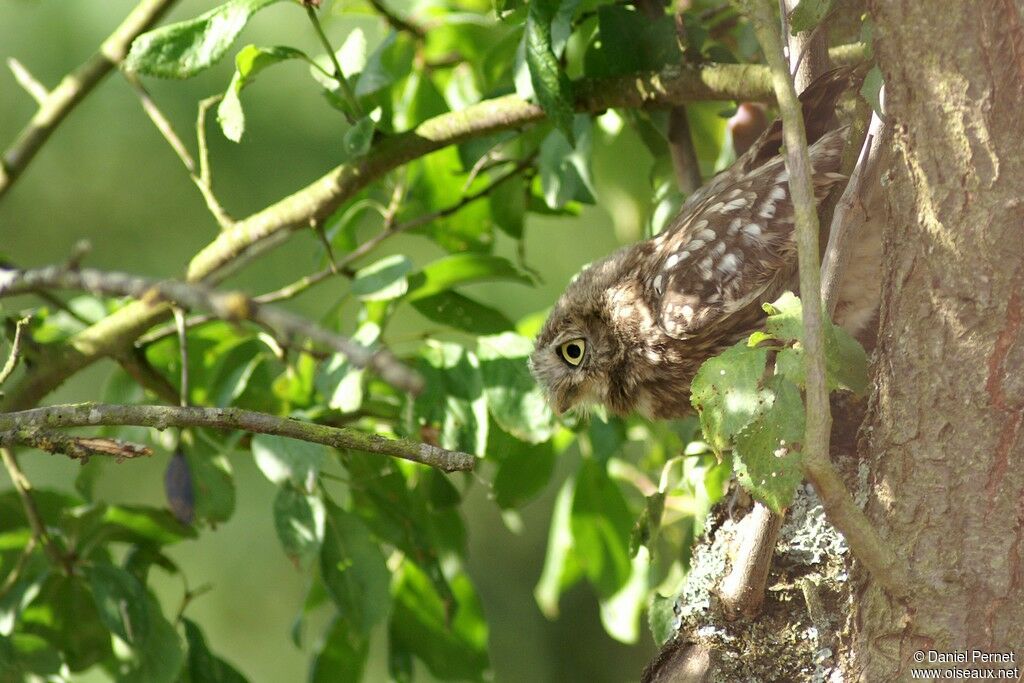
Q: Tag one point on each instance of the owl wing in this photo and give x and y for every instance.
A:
(735, 246)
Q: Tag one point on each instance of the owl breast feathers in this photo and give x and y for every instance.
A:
(632, 329)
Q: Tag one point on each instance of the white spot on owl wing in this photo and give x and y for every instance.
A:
(777, 194)
(752, 230)
(735, 205)
(729, 263)
(736, 224)
(657, 284)
(783, 177)
(694, 245)
(718, 249)
(701, 224)
(687, 312)
(671, 261)
(767, 210)
(707, 234)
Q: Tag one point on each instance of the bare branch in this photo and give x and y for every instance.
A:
(12, 357)
(850, 214)
(74, 87)
(396, 22)
(162, 417)
(842, 511)
(200, 176)
(36, 90)
(230, 306)
(75, 447)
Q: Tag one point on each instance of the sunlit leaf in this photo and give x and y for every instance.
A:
(299, 520)
(183, 49)
(383, 280)
(121, 602)
(725, 393)
(250, 60)
(550, 84)
(462, 313)
(808, 14)
(281, 459)
(341, 657)
(461, 269)
(514, 399)
(601, 523)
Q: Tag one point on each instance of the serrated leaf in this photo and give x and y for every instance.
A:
(767, 457)
(249, 61)
(460, 312)
(450, 639)
(121, 602)
(808, 14)
(461, 269)
(183, 49)
(725, 394)
(341, 657)
(514, 399)
(281, 459)
(353, 569)
(383, 280)
(299, 520)
(550, 84)
(202, 665)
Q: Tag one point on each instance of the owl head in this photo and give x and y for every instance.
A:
(578, 349)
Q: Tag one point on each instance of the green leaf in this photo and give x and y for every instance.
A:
(202, 665)
(523, 469)
(514, 399)
(341, 658)
(282, 459)
(565, 169)
(359, 137)
(64, 613)
(461, 269)
(249, 61)
(601, 527)
(453, 401)
(871, 89)
(213, 485)
(183, 49)
(508, 206)
(341, 382)
(121, 602)
(620, 612)
(26, 657)
(162, 658)
(629, 42)
(767, 457)
(450, 639)
(138, 524)
(550, 83)
(353, 569)
(661, 618)
(645, 531)
(299, 520)
(19, 594)
(383, 280)
(561, 569)
(390, 62)
(808, 14)
(725, 393)
(462, 313)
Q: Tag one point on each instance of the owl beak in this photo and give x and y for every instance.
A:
(564, 402)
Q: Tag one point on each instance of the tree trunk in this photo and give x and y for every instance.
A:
(944, 446)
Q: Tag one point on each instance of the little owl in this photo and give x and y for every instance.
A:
(632, 329)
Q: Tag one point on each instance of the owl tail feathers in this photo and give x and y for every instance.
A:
(818, 103)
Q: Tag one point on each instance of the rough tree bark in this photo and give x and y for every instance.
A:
(943, 439)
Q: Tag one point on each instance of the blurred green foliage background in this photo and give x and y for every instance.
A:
(107, 176)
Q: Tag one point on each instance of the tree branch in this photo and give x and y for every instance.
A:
(12, 357)
(74, 87)
(230, 306)
(842, 511)
(75, 447)
(162, 417)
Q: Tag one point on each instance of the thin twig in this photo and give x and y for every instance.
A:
(205, 174)
(182, 329)
(200, 176)
(356, 111)
(36, 90)
(294, 289)
(75, 447)
(28, 504)
(162, 417)
(12, 357)
(230, 306)
(396, 22)
(74, 87)
(842, 511)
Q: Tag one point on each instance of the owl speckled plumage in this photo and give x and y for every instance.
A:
(632, 329)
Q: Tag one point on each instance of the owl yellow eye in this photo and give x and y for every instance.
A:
(572, 351)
